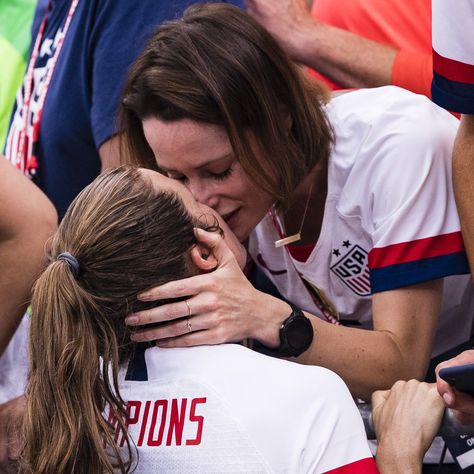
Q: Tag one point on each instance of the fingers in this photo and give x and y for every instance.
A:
(160, 314)
(199, 304)
(178, 288)
(379, 397)
(177, 328)
(214, 242)
(195, 338)
(453, 398)
(466, 357)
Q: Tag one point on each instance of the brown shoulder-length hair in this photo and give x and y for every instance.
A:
(126, 237)
(217, 65)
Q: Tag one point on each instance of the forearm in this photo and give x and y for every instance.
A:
(345, 58)
(366, 360)
(398, 348)
(27, 221)
(393, 460)
(22, 260)
(463, 177)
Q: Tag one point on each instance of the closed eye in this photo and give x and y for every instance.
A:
(178, 177)
(223, 175)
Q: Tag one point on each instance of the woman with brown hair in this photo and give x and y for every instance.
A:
(347, 204)
(97, 402)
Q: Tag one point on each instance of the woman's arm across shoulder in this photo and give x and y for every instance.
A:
(225, 307)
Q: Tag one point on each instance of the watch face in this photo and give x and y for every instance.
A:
(299, 333)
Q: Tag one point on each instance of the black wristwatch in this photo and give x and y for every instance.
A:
(296, 334)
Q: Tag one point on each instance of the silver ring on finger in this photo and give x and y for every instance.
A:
(189, 325)
(189, 308)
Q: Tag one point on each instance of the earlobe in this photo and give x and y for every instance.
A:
(203, 258)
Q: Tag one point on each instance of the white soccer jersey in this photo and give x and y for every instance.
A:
(216, 409)
(453, 55)
(14, 363)
(390, 218)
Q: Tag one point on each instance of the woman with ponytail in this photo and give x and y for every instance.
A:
(99, 403)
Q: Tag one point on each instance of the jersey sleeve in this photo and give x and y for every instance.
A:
(410, 203)
(120, 33)
(453, 55)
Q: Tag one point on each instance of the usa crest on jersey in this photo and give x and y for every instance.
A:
(353, 270)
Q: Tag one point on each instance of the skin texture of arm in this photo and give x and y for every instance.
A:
(463, 178)
(347, 59)
(27, 221)
(225, 307)
(110, 153)
(462, 404)
(406, 418)
(399, 347)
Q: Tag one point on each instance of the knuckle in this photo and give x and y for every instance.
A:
(145, 335)
(213, 285)
(180, 288)
(174, 330)
(399, 384)
(147, 317)
(220, 335)
(186, 342)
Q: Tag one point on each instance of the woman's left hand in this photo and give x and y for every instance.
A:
(220, 306)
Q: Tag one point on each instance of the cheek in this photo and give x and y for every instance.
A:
(240, 187)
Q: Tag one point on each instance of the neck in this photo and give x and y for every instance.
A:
(312, 191)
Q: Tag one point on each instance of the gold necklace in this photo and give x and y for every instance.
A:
(296, 237)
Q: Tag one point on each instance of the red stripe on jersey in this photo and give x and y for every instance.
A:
(301, 252)
(405, 252)
(452, 69)
(363, 466)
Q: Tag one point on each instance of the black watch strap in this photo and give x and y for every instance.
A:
(296, 333)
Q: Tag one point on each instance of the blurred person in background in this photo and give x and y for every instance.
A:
(355, 43)
(16, 17)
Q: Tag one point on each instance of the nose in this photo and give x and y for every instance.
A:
(203, 193)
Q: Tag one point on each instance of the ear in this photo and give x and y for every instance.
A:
(203, 258)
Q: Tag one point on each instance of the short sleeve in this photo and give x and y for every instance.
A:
(413, 218)
(413, 71)
(453, 55)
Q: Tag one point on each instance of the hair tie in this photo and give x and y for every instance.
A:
(71, 261)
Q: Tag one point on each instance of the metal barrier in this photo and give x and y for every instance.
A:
(450, 426)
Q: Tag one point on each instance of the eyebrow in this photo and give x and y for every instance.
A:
(204, 165)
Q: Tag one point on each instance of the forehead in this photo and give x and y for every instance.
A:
(185, 142)
(162, 183)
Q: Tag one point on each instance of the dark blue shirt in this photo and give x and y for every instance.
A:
(104, 38)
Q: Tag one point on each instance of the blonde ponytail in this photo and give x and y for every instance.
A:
(125, 236)
(64, 422)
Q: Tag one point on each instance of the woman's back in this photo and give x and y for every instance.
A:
(228, 409)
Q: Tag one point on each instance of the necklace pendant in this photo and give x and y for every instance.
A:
(287, 240)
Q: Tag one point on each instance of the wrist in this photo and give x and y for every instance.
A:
(398, 459)
(304, 41)
(273, 312)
